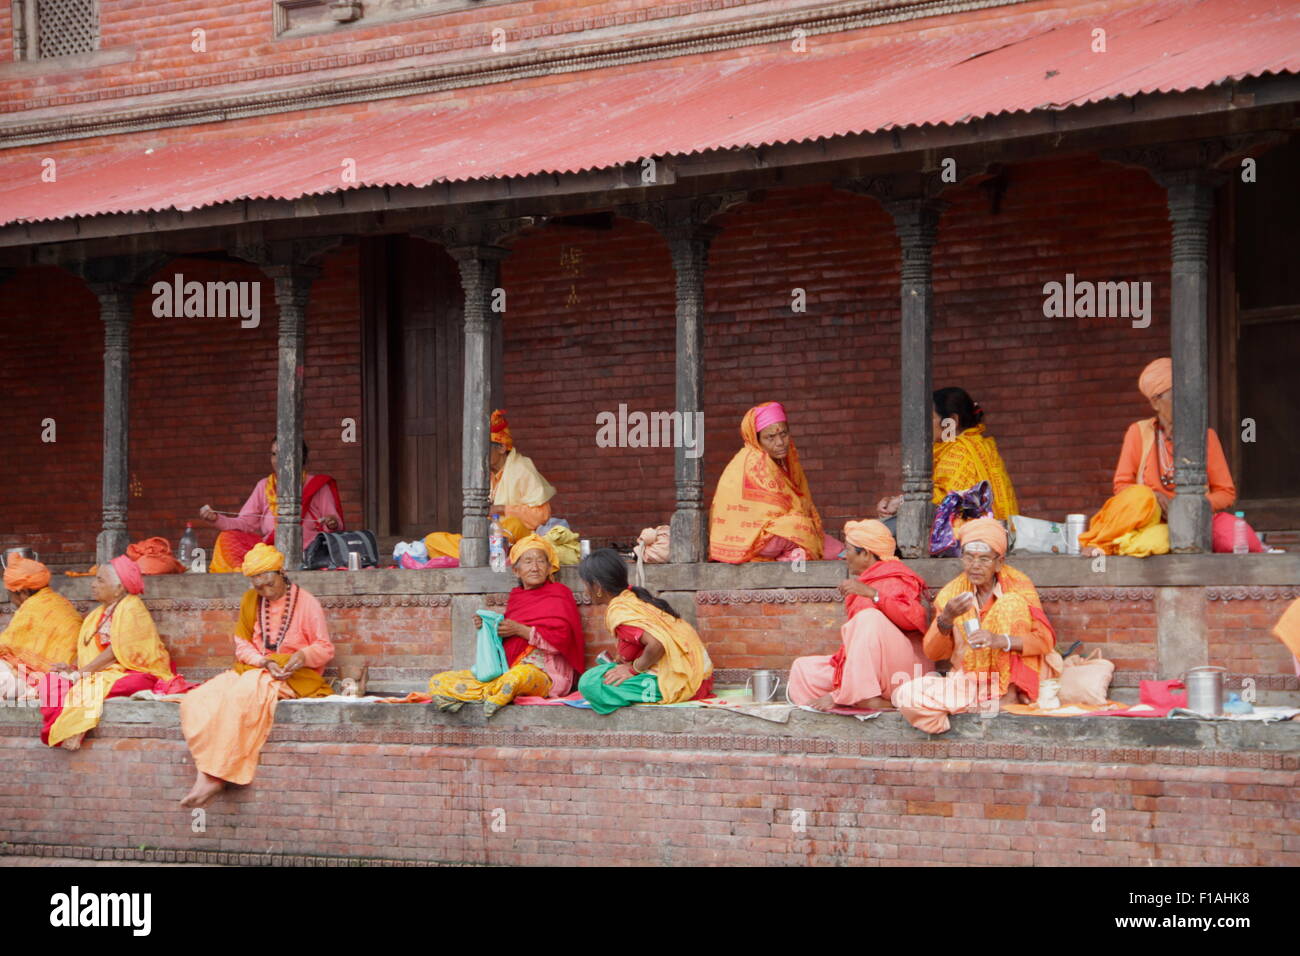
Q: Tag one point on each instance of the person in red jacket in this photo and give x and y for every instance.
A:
(881, 641)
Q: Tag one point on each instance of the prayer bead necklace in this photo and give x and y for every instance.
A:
(285, 621)
(1166, 473)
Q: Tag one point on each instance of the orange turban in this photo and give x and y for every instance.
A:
(260, 559)
(987, 531)
(533, 543)
(129, 574)
(871, 535)
(24, 574)
(1157, 378)
(500, 429)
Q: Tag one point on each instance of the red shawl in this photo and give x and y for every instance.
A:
(553, 611)
(900, 590)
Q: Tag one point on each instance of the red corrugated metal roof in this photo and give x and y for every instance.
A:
(946, 74)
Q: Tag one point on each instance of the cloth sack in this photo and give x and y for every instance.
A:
(1036, 536)
(1085, 681)
(956, 509)
(489, 656)
(567, 544)
(652, 547)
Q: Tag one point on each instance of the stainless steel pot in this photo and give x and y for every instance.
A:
(1205, 690)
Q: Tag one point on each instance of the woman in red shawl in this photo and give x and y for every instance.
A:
(881, 641)
(541, 636)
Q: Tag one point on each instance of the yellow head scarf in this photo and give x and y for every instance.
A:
(533, 543)
(260, 559)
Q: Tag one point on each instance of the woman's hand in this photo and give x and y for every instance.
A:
(982, 639)
(207, 514)
(616, 675)
(888, 506)
(329, 523)
(954, 609)
(854, 586)
(509, 628)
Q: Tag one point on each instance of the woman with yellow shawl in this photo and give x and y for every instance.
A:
(964, 455)
(763, 509)
(520, 495)
(1133, 521)
(660, 657)
(42, 637)
(282, 645)
(541, 636)
(989, 623)
(119, 653)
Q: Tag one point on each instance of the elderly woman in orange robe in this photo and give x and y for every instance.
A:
(881, 641)
(1133, 521)
(119, 653)
(541, 636)
(989, 623)
(763, 509)
(282, 645)
(42, 637)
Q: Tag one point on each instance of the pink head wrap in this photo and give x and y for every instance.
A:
(768, 414)
(128, 572)
(1157, 378)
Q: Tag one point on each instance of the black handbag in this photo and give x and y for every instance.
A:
(330, 549)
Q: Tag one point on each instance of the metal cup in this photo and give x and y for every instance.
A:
(1205, 690)
(354, 561)
(765, 685)
(11, 553)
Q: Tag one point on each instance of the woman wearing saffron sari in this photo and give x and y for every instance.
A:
(322, 510)
(1011, 647)
(660, 657)
(963, 455)
(881, 641)
(282, 645)
(42, 637)
(1133, 521)
(763, 509)
(119, 653)
(541, 635)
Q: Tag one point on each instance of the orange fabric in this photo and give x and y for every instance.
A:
(1133, 509)
(871, 535)
(43, 633)
(154, 555)
(1157, 378)
(260, 559)
(1287, 628)
(228, 553)
(758, 500)
(967, 460)
(986, 530)
(24, 574)
(499, 429)
(226, 721)
(1222, 491)
(531, 517)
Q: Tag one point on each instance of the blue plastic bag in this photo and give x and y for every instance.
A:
(489, 656)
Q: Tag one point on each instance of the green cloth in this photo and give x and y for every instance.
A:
(605, 698)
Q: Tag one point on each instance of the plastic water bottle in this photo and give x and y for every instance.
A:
(1240, 535)
(188, 543)
(497, 546)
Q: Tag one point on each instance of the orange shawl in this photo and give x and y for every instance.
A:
(757, 500)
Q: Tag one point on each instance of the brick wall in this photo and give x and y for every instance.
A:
(437, 794)
(1241, 639)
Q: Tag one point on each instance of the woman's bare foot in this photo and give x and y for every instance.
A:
(824, 703)
(73, 742)
(205, 788)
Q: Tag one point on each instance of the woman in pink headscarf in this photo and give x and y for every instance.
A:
(1134, 520)
(763, 510)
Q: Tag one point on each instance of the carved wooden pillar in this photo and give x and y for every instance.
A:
(1191, 202)
(480, 271)
(115, 301)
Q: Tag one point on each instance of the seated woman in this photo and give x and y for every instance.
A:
(763, 510)
(42, 636)
(282, 645)
(541, 635)
(1001, 660)
(119, 653)
(1134, 521)
(661, 659)
(963, 455)
(322, 510)
(881, 641)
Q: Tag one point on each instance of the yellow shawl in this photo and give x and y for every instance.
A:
(685, 664)
(967, 460)
(42, 633)
(521, 483)
(757, 500)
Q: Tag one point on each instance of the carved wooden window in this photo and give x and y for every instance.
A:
(50, 28)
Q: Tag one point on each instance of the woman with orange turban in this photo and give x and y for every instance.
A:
(881, 641)
(763, 509)
(282, 645)
(119, 653)
(989, 623)
(541, 636)
(42, 637)
(1133, 521)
